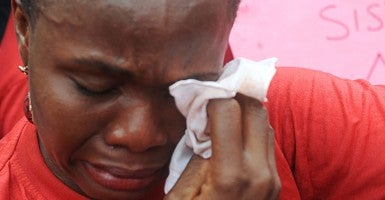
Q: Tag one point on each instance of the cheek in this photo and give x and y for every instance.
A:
(64, 119)
(173, 121)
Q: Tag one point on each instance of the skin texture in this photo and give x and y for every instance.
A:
(242, 165)
(99, 78)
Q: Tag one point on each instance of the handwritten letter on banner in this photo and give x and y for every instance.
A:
(344, 37)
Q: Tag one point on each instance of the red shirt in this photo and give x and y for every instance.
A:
(329, 142)
(330, 134)
(329, 138)
(13, 83)
(23, 172)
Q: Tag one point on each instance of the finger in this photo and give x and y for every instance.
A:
(193, 177)
(272, 183)
(273, 168)
(224, 116)
(259, 153)
(256, 127)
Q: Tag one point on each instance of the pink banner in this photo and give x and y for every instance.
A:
(345, 38)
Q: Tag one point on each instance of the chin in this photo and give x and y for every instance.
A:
(118, 195)
(100, 193)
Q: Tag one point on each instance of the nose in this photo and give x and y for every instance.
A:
(137, 128)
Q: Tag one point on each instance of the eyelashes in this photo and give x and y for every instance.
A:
(107, 91)
(90, 92)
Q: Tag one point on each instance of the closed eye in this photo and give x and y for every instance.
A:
(88, 91)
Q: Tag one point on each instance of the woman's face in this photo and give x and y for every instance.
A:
(99, 77)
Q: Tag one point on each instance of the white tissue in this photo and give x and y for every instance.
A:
(191, 96)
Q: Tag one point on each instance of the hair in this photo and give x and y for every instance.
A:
(30, 8)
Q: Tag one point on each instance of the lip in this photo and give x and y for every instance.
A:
(116, 178)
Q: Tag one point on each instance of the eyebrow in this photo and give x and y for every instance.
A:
(102, 66)
(109, 68)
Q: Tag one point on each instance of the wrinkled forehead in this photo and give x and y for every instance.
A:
(137, 13)
(140, 34)
(141, 20)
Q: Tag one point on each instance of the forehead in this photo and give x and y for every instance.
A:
(152, 37)
(153, 12)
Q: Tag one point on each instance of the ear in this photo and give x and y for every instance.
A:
(22, 28)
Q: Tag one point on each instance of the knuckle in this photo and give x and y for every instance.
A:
(263, 180)
(277, 185)
(231, 181)
(178, 195)
(269, 185)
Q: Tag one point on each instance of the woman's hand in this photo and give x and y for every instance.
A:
(242, 165)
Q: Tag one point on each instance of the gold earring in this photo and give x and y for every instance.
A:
(24, 70)
(28, 108)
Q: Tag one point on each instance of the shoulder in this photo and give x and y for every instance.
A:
(13, 84)
(312, 101)
(323, 120)
(9, 142)
(306, 85)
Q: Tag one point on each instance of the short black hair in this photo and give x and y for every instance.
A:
(29, 7)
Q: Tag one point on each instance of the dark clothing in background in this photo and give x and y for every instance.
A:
(5, 8)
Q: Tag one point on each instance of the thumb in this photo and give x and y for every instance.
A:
(189, 184)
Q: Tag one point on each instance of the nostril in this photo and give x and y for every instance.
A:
(135, 129)
(136, 140)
